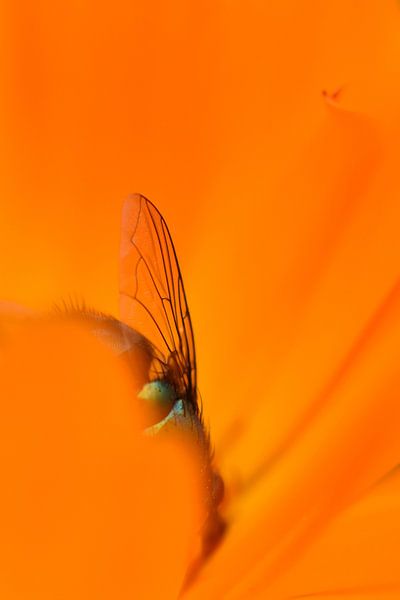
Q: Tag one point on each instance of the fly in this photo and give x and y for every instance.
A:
(153, 305)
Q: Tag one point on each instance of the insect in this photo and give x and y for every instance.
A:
(155, 337)
(153, 302)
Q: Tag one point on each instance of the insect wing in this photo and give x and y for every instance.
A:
(152, 296)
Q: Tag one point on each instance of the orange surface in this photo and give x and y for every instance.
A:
(284, 207)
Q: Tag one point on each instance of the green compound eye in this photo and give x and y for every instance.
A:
(159, 394)
(159, 397)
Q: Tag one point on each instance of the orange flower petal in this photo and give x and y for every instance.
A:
(89, 508)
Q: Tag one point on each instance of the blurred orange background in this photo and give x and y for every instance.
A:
(283, 203)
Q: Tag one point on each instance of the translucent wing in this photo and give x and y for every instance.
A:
(152, 296)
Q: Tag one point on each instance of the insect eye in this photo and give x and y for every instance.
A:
(159, 397)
